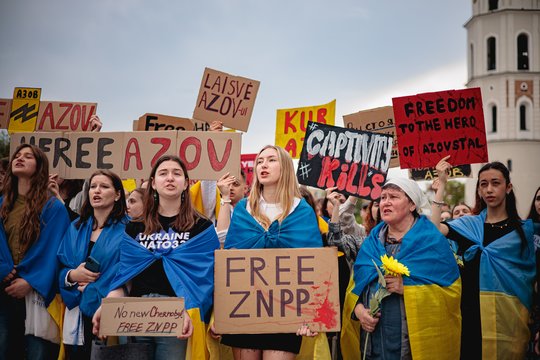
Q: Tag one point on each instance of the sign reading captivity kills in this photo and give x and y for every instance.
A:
(354, 161)
(76, 155)
(432, 125)
(291, 125)
(130, 316)
(379, 120)
(276, 290)
(226, 98)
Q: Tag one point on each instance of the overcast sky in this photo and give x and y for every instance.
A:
(135, 56)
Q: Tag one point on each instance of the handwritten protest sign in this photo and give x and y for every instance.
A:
(76, 155)
(156, 122)
(130, 316)
(379, 120)
(276, 290)
(5, 111)
(24, 109)
(291, 125)
(226, 98)
(431, 174)
(247, 161)
(432, 125)
(65, 116)
(354, 161)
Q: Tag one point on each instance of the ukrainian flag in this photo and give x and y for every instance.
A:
(507, 273)
(432, 292)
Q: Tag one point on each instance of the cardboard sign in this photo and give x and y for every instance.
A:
(24, 109)
(379, 120)
(200, 125)
(5, 111)
(247, 162)
(291, 125)
(65, 116)
(77, 155)
(132, 316)
(432, 125)
(226, 98)
(156, 122)
(276, 290)
(355, 161)
(431, 174)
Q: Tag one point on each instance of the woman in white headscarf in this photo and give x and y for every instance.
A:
(422, 306)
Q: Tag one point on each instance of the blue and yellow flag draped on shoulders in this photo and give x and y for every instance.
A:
(432, 292)
(190, 270)
(72, 253)
(300, 229)
(39, 266)
(507, 273)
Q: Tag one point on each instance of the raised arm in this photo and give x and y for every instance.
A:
(443, 168)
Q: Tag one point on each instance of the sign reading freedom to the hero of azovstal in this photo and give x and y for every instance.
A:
(354, 161)
(432, 125)
(76, 155)
(130, 316)
(379, 120)
(276, 290)
(226, 98)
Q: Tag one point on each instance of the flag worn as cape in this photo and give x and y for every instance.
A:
(39, 266)
(507, 273)
(432, 292)
(298, 230)
(72, 253)
(190, 270)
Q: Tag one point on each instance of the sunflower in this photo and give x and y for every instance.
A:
(393, 267)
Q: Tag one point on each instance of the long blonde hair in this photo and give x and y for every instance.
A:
(287, 187)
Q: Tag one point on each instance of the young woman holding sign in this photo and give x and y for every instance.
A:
(273, 216)
(499, 265)
(89, 256)
(169, 254)
(32, 226)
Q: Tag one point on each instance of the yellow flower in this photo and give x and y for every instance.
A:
(393, 267)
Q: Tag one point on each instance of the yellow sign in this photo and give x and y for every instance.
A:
(291, 125)
(129, 184)
(24, 109)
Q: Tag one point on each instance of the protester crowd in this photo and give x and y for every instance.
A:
(67, 244)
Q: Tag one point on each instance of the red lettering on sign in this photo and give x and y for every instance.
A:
(165, 144)
(136, 153)
(212, 156)
(288, 121)
(196, 143)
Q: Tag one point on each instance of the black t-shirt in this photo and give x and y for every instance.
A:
(471, 334)
(153, 279)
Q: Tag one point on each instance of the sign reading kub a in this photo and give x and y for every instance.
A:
(276, 290)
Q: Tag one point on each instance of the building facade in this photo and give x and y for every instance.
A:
(503, 50)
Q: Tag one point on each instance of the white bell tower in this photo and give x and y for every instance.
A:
(503, 48)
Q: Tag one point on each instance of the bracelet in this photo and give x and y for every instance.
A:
(223, 201)
(439, 203)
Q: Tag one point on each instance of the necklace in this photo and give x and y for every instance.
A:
(499, 225)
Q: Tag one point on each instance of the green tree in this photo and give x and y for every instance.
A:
(455, 193)
(4, 144)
